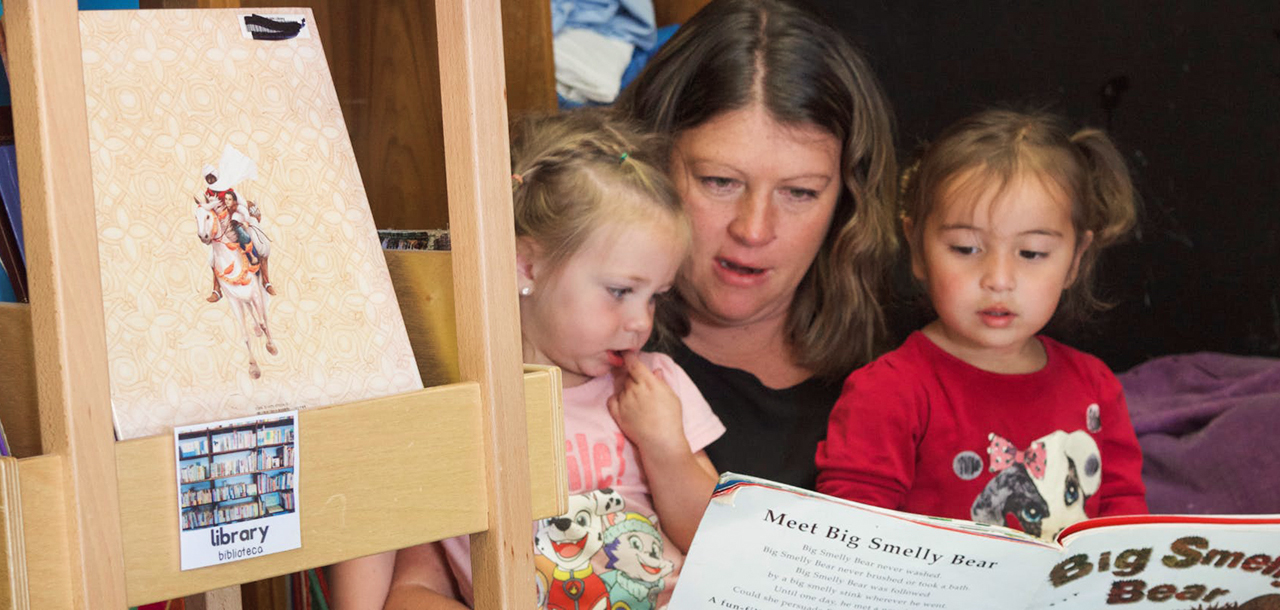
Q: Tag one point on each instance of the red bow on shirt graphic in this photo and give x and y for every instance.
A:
(1004, 454)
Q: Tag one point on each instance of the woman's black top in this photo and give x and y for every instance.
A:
(770, 433)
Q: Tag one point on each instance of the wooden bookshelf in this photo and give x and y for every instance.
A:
(392, 506)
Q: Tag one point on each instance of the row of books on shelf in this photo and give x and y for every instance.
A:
(204, 472)
(222, 493)
(282, 457)
(250, 508)
(238, 440)
(207, 493)
(277, 503)
(275, 482)
(234, 440)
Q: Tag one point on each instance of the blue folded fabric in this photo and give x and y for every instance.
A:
(630, 20)
(638, 60)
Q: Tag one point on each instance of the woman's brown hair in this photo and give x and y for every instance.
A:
(734, 53)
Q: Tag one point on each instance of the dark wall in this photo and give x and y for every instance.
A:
(1190, 91)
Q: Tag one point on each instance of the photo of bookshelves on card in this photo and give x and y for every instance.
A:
(236, 472)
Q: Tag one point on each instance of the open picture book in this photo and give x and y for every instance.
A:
(767, 545)
(241, 268)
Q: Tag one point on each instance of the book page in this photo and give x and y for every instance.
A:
(764, 546)
(1167, 565)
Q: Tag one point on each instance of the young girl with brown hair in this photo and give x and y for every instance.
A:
(978, 416)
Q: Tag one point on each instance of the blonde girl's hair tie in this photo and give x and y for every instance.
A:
(623, 157)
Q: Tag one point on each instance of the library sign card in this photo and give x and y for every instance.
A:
(237, 489)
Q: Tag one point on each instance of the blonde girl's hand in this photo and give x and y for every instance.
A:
(647, 409)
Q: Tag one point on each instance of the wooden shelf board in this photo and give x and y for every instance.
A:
(48, 560)
(373, 476)
(386, 429)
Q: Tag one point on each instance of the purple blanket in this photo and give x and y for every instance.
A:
(1209, 425)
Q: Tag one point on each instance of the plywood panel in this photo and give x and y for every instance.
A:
(424, 288)
(384, 63)
(18, 411)
(383, 58)
(549, 485)
(44, 527)
(529, 60)
(668, 12)
(13, 564)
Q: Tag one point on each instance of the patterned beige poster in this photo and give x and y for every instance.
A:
(241, 270)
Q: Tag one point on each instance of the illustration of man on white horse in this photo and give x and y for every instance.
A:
(233, 169)
(238, 248)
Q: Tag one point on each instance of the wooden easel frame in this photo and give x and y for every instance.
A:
(86, 524)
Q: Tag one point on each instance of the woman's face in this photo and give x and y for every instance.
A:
(761, 195)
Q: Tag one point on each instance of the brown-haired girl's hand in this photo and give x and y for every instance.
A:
(647, 409)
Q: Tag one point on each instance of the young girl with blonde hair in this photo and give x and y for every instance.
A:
(978, 416)
(600, 235)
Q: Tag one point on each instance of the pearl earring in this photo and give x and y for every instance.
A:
(526, 291)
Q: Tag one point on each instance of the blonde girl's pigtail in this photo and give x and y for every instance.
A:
(1111, 202)
(567, 170)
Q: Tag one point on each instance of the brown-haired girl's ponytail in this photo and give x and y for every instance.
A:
(1111, 203)
(1109, 206)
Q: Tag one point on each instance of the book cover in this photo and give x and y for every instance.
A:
(762, 544)
(241, 269)
(13, 255)
(6, 289)
(9, 193)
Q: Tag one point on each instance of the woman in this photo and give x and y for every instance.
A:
(783, 156)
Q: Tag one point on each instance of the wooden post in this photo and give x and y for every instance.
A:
(226, 598)
(477, 165)
(52, 136)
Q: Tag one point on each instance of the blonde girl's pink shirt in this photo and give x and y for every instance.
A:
(599, 457)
